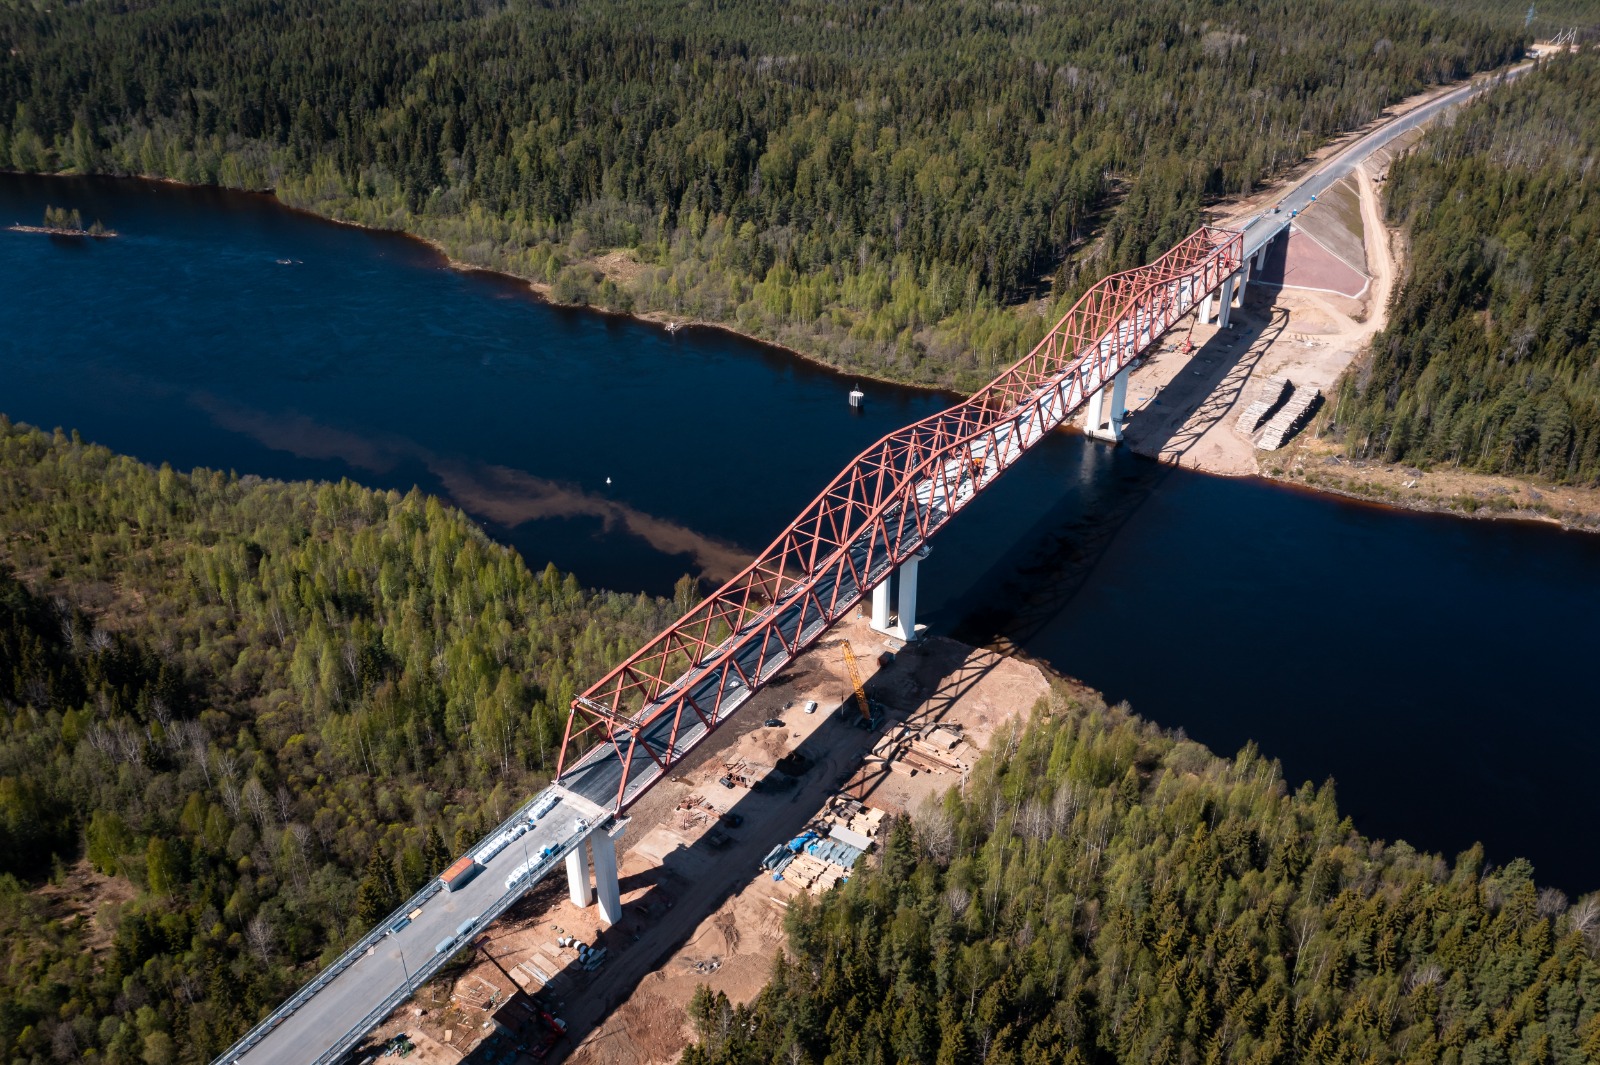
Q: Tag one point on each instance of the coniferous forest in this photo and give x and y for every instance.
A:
(877, 185)
(243, 719)
(1491, 359)
(267, 712)
(1108, 892)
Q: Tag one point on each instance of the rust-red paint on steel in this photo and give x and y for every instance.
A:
(878, 491)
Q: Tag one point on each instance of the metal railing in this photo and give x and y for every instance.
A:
(359, 949)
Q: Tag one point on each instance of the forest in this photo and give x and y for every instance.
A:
(1109, 892)
(240, 721)
(1491, 358)
(908, 189)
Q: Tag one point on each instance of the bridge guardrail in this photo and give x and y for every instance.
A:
(310, 988)
(426, 970)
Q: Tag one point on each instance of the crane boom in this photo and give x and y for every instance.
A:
(855, 678)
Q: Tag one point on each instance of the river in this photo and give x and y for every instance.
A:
(1436, 667)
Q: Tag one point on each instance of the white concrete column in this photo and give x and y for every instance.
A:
(1261, 256)
(908, 598)
(1206, 306)
(1095, 415)
(1226, 302)
(578, 889)
(1099, 426)
(880, 605)
(1244, 281)
(603, 846)
(1119, 401)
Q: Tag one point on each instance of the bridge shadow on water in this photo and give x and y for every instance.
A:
(1024, 591)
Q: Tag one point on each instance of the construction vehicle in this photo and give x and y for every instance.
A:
(869, 720)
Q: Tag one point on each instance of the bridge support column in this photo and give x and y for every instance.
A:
(880, 604)
(1226, 302)
(1097, 425)
(604, 848)
(1206, 306)
(1261, 256)
(908, 596)
(578, 889)
(1244, 281)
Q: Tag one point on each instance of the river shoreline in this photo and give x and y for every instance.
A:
(1586, 520)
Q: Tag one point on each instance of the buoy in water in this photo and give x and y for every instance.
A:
(856, 396)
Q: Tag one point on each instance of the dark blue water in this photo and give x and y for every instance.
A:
(1439, 669)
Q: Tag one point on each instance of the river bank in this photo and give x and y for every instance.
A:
(64, 231)
(365, 358)
(1190, 424)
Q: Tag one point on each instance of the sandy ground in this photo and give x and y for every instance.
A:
(696, 913)
(1323, 466)
(732, 946)
(1183, 407)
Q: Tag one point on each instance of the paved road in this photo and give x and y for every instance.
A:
(1345, 163)
(393, 964)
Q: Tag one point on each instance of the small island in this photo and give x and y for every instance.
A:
(60, 222)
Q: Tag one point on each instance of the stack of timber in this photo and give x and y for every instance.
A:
(1291, 419)
(856, 816)
(1270, 395)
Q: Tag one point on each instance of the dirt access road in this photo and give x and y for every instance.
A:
(699, 910)
(1307, 324)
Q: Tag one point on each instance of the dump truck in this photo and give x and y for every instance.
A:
(460, 874)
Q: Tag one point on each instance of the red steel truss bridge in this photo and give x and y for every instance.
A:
(631, 727)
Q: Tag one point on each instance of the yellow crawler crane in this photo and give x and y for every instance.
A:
(861, 692)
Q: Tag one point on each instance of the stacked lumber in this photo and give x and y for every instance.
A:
(941, 760)
(1291, 419)
(1270, 395)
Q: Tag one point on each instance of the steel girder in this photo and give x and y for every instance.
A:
(882, 507)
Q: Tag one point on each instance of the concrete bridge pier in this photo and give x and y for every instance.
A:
(578, 888)
(880, 604)
(908, 595)
(1097, 425)
(603, 846)
(902, 625)
(602, 849)
(1226, 303)
(1207, 308)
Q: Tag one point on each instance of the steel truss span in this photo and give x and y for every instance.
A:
(626, 731)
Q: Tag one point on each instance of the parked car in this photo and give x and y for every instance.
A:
(774, 722)
(733, 820)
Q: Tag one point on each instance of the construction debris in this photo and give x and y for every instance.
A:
(1270, 395)
(1291, 419)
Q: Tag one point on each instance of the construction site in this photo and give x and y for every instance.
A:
(787, 799)
(1221, 398)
